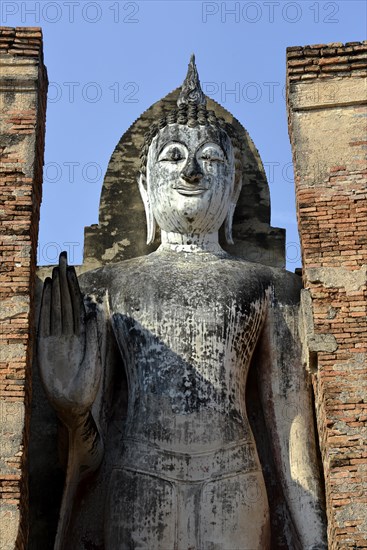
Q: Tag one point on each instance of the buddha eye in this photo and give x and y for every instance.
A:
(212, 155)
(174, 154)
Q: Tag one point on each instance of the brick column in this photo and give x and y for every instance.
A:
(327, 96)
(23, 89)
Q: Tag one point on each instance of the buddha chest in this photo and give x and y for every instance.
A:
(186, 332)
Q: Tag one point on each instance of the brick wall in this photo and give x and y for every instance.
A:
(327, 96)
(23, 89)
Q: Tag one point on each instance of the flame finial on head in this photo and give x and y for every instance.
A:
(191, 92)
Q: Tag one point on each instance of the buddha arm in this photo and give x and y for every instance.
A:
(69, 352)
(286, 397)
(84, 455)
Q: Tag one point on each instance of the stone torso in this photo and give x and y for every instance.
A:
(185, 469)
(186, 326)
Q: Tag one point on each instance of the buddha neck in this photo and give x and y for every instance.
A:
(190, 243)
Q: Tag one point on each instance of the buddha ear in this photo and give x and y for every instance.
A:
(151, 223)
(232, 206)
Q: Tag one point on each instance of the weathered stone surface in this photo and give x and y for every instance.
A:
(312, 343)
(328, 93)
(9, 521)
(322, 342)
(14, 306)
(340, 277)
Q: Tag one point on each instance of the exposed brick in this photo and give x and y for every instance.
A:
(331, 58)
(331, 209)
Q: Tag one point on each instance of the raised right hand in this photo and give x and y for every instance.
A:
(67, 345)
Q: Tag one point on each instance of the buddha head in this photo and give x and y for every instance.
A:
(191, 165)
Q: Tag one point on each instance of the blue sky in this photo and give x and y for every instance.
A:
(108, 61)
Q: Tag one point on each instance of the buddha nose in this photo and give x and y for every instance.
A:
(192, 172)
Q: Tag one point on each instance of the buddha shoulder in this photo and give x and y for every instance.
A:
(210, 272)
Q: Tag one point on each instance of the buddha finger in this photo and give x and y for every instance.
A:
(76, 300)
(45, 312)
(66, 305)
(56, 314)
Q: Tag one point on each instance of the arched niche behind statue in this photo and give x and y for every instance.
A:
(121, 231)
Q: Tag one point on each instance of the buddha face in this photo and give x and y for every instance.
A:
(190, 178)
